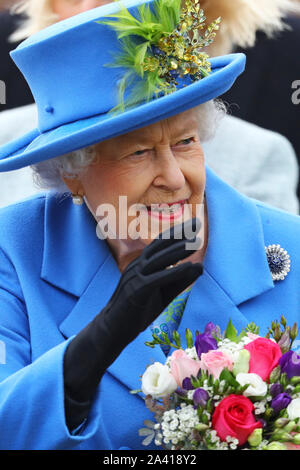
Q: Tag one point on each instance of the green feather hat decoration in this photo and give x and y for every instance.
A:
(159, 47)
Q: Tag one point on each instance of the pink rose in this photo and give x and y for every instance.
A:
(264, 356)
(214, 362)
(183, 366)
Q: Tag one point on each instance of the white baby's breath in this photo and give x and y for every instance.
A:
(192, 353)
(180, 426)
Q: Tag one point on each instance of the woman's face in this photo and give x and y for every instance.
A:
(66, 8)
(162, 164)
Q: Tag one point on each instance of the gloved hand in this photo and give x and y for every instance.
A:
(145, 289)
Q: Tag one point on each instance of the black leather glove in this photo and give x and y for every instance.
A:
(145, 289)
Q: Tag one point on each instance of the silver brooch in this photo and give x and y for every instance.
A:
(279, 262)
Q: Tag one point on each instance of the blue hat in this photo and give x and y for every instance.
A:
(66, 67)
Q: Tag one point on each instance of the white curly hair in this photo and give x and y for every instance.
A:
(48, 174)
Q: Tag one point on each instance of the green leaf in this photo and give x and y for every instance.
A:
(242, 334)
(210, 380)
(275, 374)
(216, 385)
(210, 405)
(200, 412)
(194, 381)
(157, 339)
(204, 374)
(189, 338)
(284, 380)
(241, 390)
(257, 398)
(231, 332)
(229, 378)
(252, 328)
(204, 419)
(176, 338)
(166, 338)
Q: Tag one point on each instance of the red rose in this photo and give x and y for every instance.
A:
(234, 417)
(264, 356)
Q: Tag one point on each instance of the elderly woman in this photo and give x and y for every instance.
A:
(79, 297)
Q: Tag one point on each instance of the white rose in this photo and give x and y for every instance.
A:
(293, 409)
(157, 381)
(257, 387)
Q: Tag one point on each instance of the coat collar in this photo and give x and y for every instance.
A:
(235, 269)
(235, 256)
(72, 252)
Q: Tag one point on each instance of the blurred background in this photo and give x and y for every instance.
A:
(264, 94)
(17, 90)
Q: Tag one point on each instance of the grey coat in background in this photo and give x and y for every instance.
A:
(256, 162)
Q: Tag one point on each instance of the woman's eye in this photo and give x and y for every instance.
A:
(186, 141)
(139, 153)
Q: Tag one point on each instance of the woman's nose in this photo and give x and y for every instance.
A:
(169, 174)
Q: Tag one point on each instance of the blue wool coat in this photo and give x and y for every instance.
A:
(56, 275)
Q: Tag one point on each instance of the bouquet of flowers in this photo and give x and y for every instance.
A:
(225, 391)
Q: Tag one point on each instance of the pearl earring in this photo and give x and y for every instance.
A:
(77, 199)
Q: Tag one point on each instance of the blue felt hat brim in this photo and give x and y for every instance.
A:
(35, 147)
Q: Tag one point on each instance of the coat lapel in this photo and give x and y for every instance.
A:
(235, 270)
(235, 256)
(72, 252)
(208, 302)
(235, 266)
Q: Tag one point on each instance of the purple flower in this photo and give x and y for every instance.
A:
(200, 397)
(204, 343)
(210, 328)
(181, 392)
(285, 342)
(280, 402)
(275, 389)
(187, 384)
(290, 364)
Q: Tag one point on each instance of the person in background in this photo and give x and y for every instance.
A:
(277, 58)
(17, 91)
(5, 4)
(271, 174)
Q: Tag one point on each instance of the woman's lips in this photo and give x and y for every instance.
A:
(167, 211)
